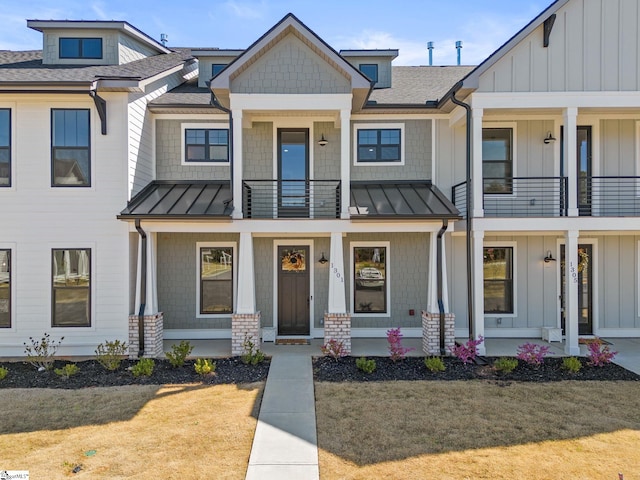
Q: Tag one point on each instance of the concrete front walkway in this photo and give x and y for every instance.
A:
(285, 444)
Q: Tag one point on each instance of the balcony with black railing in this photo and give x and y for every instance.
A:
(291, 198)
(609, 196)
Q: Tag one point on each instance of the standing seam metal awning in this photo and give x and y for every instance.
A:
(181, 200)
(396, 200)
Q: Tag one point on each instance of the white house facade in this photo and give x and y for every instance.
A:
(290, 190)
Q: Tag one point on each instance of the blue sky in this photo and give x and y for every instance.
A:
(482, 25)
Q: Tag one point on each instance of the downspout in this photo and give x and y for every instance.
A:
(143, 286)
(214, 102)
(467, 107)
(439, 281)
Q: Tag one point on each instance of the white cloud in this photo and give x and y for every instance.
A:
(246, 10)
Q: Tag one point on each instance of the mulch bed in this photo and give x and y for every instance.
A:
(92, 374)
(326, 369)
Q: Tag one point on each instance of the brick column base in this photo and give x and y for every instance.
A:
(431, 333)
(337, 326)
(244, 325)
(153, 336)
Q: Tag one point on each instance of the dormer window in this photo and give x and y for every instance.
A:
(370, 70)
(216, 68)
(81, 48)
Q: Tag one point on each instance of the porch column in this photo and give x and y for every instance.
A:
(337, 322)
(237, 164)
(570, 158)
(153, 320)
(478, 288)
(345, 162)
(245, 322)
(477, 185)
(571, 346)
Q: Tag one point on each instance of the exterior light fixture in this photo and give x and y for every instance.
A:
(323, 141)
(323, 260)
(549, 257)
(550, 139)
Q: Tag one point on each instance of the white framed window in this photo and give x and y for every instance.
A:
(205, 144)
(499, 278)
(5, 147)
(70, 147)
(71, 287)
(216, 279)
(378, 144)
(6, 288)
(499, 158)
(370, 279)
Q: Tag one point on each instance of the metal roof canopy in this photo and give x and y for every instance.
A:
(395, 200)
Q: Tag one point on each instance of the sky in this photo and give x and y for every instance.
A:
(406, 25)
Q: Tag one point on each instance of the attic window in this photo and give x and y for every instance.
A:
(81, 48)
(370, 70)
(216, 68)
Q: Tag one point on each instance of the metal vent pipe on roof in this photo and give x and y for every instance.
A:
(458, 48)
(164, 38)
(430, 48)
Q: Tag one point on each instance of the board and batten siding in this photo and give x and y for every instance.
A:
(594, 46)
(38, 217)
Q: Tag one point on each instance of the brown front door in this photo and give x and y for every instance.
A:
(293, 290)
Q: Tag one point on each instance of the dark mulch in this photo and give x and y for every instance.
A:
(326, 369)
(92, 374)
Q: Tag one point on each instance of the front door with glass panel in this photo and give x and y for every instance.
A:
(585, 289)
(583, 167)
(293, 172)
(293, 290)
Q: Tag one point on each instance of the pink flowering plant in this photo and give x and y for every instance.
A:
(334, 349)
(598, 354)
(467, 352)
(396, 350)
(532, 353)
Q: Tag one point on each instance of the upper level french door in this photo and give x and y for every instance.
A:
(584, 167)
(293, 172)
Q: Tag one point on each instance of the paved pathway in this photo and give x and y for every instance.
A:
(285, 442)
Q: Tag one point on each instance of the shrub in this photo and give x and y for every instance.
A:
(204, 366)
(109, 354)
(599, 355)
(505, 364)
(251, 353)
(396, 350)
(434, 364)
(3, 373)
(532, 353)
(179, 353)
(144, 367)
(67, 371)
(467, 352)
(41, 352)
(334, 349)
(367, 366)
(572, 364)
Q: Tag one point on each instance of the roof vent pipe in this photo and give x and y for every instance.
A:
(430, 48)
(458, 48)
(164, 38)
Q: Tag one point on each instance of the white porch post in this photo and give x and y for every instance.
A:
(337, 322)
(570, 158)
(151, 303)
(477, 186)
(345, 162)
(571, 300)
(478, 288)
(246, 302)
(432, 289)
(237, 164)
(337, 300)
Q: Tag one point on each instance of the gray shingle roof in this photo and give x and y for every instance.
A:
(18, 67)
(186, 94)
(416, 85)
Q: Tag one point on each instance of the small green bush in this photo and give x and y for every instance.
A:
(251, 353)
(67, 371)
(204, 366)
(179, 353)
(41, 352)
(110, 354)
(505, 364)
(144, 367)
(3, 373)
(367, 366)
(572, 364)
(434, 364)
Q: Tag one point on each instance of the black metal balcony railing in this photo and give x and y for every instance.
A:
(291, 198)
(518, 197)
(609, 196)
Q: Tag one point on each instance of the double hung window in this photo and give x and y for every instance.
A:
(70, 148)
